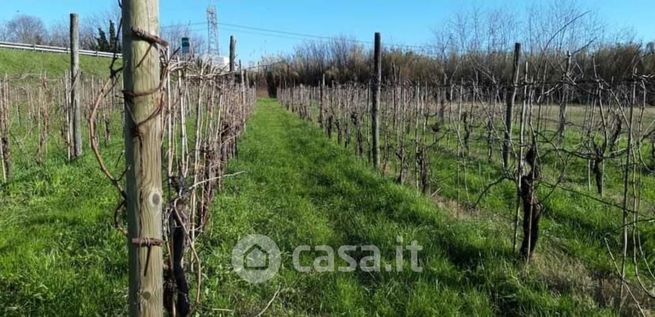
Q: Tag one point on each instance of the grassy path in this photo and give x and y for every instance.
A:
(301, 188)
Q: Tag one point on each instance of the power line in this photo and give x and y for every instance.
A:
(266, 31)
(259, 33)
(289, 33)
(294, 35)
(425, 50)
(182, 24)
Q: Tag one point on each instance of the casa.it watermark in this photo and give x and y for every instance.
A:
(256, 258)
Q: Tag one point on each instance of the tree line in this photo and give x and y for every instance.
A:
(476, 46)
(98, 32)
(100, 35)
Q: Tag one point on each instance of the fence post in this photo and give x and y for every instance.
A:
(564, 100)
(321, 103)
(511, 95)
(143, 132)
(377, 80)
(75, 79)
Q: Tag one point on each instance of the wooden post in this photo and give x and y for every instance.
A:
(321, 102)
(519, 163)
(142, 129)
(377, 80)
(564, 100)
(243, 97)
(5, 161)
(233, 47)
(75, 84)
(511, 95)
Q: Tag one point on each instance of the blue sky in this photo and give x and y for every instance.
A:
(407, 22)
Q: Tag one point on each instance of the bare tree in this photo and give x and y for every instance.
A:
(3, 32)
(26, 29)
(58, 34)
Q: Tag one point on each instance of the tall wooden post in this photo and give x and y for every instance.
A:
(5, 155)
(375, 122)
(233, 47)
(564, 100)
(75, 84)
(511, 96)
(321, 102)
(244, 101)
(141, 77)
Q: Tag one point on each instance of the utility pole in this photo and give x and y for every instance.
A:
(511, 96)
(75, 84)
(143, 130)
(377, 80)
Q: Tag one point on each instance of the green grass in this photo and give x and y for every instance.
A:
(574, 229)
(573, 225)
(60, 255)
(301, 188)
(59, 252)
(21, 62)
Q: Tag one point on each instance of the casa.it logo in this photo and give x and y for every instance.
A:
(256, 258)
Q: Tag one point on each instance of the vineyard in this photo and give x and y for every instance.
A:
(382, 181)
(565, 164)
(49, 124)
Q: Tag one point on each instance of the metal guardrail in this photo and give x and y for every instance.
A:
(54, 49)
